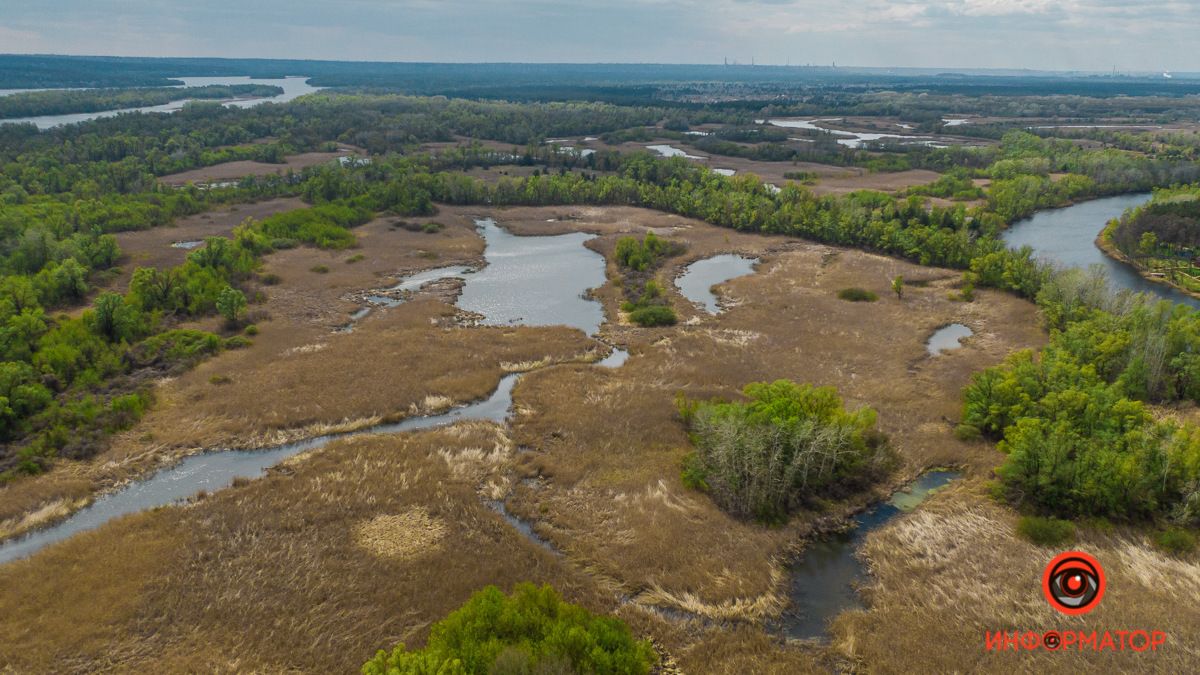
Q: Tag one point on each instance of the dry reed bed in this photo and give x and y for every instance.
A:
(299, 379)
(948, 573)
(272, 575)
(607, 445)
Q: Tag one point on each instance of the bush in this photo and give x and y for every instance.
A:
(1046, 531)
(1176, 541)
(358, 257)
(788, 444)
(251, 330)
(271, 279)
(654, 315)
(643, 255)
(231, 303)
(174, 347)
(237, 342)
(967, 432)
(530, 631)
(432, 228)
(319, 269)
(857, 295)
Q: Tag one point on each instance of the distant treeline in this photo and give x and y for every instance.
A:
(62, 102)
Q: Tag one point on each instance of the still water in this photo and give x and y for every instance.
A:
(1067, 237)
(698, 279)
(824, 580)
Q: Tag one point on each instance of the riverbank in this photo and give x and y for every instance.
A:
(1105, 244)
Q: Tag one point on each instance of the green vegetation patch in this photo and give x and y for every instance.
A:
(786, 445)
(531, 631)
(856, 294)
(1046, 531)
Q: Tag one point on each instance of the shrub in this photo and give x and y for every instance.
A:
(231, 303)
(857, 295)
(1176, 541)
(319, 269)
(1046, 531)
(271, 279)
(432, 228)
(237, 342)
(220, 379)
(251, 330)
(643, 255)
(530, 631)
(654, 315)
(182, 347)
(967, 432)
(358, 257)
(787, 444)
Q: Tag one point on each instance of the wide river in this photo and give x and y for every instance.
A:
(1067, 237)
(293, 87)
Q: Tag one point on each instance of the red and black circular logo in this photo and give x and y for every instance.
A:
(1073, 583)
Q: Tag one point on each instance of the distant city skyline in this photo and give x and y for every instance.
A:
(1091, 35)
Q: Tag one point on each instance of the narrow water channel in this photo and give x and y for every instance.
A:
(528, 280)
(824, 581)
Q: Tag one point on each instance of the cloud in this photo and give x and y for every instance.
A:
(1067, 34)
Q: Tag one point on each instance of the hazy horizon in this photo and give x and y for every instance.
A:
(1048, 35)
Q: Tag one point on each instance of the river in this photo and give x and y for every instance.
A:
(1067, 237)
(293, 87)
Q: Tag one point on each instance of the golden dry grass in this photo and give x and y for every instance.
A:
(953, 570)
(404, 535)
(301, 379)
(273, 575)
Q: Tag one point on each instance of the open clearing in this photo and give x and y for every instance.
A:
(227, 171)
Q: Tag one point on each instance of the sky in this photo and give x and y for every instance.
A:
(1041, 34)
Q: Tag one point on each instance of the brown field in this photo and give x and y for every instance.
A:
(370, 540)
(242, 168)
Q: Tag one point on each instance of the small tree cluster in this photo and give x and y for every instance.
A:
(531, 631)
(785, 444)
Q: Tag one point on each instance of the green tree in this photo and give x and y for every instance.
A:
(898, 287)
(231, 303)
(531, 631)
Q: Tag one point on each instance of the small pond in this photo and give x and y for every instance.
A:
(947, 338)
(698, 278)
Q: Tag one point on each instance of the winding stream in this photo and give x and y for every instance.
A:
(824, 580)
(529, 280)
